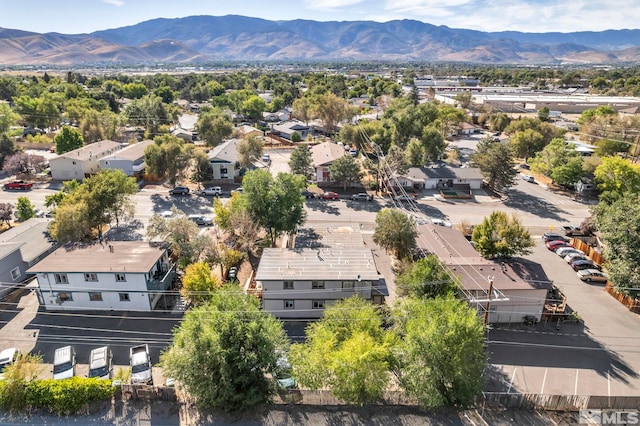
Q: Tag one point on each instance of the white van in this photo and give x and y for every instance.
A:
(100, 363)
(64, 363)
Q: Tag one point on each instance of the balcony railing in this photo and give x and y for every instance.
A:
(163, 278)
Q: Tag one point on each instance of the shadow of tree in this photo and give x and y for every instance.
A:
(323, 206)
(519, 200)
(129, 231)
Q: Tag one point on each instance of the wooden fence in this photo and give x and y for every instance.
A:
(631, 303)
(395, 398)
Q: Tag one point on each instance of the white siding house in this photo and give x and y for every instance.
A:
(322, 156)
(223, 160)
(130, 159)
(301, 283)
(119, 276)
(82, 162)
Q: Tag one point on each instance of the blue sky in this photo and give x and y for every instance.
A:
(82, 16)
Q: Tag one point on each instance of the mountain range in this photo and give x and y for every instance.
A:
(202, 39)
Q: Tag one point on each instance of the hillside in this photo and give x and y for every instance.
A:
(200, 39)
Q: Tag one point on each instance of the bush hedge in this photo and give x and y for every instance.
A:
(62, 397)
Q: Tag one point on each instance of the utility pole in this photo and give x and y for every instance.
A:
(486, 306)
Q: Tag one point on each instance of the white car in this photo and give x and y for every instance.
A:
(199, 219)
(574, 256)
(214, 191)
(441, 222)
(166, 214)
(563, 251)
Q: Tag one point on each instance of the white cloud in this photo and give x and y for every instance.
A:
(330, 4)
(114, 2)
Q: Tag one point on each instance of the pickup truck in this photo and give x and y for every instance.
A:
(140, 365)
(18, 185)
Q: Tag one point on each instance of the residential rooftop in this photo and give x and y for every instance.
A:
(328, 264)
(326, 153)
(226, 152)
(112, 256)
(131, 152)
(98, 150)
(31, 235)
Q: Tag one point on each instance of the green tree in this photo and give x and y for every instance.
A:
(440, 354)
(274, 203)
(331, 110)
(253, 107)
(562, 155)
(426, 278)
(198, 284)
(225, 352)
(543, 113)
(24, 209)
(464, 99)
(183, 235)
(619, 226)
(527, 143)
(345, 170)
(93, 205)
(170, 156)
(608, 147)
(302, 109)
(347, 351)
(135, 90)
(501, 236)
(498, 122)
(433, 142)
(617, 178)
(214, 126)
(7, 148)
(300, 162)
(68, 139)
(55, 199)
(8, 118)
(415, 153)
(249, 151)
(495, 161)
(395, 231)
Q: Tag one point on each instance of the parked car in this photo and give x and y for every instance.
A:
(404, 198)
(554, 236)
(330, 196)
(179, 190)
(32, 132)
(528, 178)
(362, 196)
(592, 275)
(575, 256)
(140, 363)
(201, 220)
(579, 265)
(18, 185)
(441, 222)
(7, 357)
(308, 194)
(573, 231)
(64, 363)
(101, 363)
(353, 152)
(237, 191)
(554, 245)
(233, 273)
(563, 251)
(266, 158)
(212, 191)
(166, 214)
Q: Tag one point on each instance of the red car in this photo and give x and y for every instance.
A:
(554, 245)
(330, 196)
(18, 185)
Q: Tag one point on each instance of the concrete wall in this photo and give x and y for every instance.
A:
(118, 164)
(8, 263)
(67, 169)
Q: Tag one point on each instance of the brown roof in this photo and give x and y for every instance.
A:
(465, 263)
(126, 256)
(326, 153)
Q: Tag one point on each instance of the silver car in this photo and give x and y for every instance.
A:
(589, 275)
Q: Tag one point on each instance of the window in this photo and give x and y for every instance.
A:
(15, 273)
(61, 278)
(287, 285)
(121, 278)
(347, 285)
(91, 277)
(95, 297)
(288, 304)
(124, 297)
(65, 296)
(317, 304)
(317, 284)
